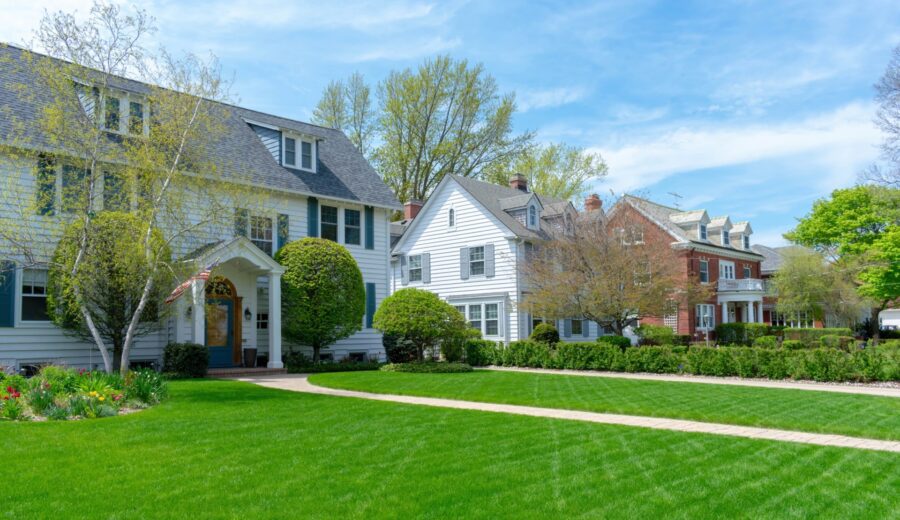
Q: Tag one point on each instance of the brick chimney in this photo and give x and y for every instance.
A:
(519, 182)
(593, 203)
(411, 209)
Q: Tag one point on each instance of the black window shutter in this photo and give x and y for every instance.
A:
(312, 217)
(46, 185)
(370, 227)
(7, 293)
(241, 221)
(284, 230)
(370, 304)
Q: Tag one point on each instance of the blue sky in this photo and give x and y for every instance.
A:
(752, 109)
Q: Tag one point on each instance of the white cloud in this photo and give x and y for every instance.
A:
(21, 18)
(534, 99)
(841, 141)
(403, 50)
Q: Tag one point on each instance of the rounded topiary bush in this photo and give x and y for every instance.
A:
(186, 359)
(323, 298)
(421, 317)
(545, 333)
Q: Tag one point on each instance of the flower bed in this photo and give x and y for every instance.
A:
(58, 393)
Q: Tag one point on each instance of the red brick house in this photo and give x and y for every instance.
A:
(715, 250)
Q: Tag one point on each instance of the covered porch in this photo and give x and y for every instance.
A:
(741, 309)
(220, 312)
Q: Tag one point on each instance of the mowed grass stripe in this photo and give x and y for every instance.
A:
(801, 410)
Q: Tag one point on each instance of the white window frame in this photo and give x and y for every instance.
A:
(465, 309)
(532, 216)
(702, 232)
(748, 271)
(125, 101)
(344, 225)
(21, 296)
(700, 271)
(298, 151)
(339, 232)
(420, 269)
(745, 240)
(482, 261)
(726, 268)
(705, 316)
(251, 218)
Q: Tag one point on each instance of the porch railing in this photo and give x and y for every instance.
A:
(745, 284)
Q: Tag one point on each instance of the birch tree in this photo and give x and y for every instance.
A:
(142, 148)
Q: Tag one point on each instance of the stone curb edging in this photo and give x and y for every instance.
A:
(300, 383)
(880, 391)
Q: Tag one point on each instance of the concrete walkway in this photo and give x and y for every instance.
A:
(300, 383)
(882, 391)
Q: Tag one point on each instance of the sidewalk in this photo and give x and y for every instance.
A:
(300, 383)
(882, 391)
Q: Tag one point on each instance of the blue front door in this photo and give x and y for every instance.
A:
(220, 332)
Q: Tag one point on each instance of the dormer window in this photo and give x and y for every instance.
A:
(726, 240)
(306, 159)
(703, 235)
(746, 239)
(532, 216)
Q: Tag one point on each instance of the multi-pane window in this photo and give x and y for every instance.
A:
(262, 320)
(475, 316)
(461, 309)
(704, 271)
(306, 155)
(261, 233)
(491, 319)
(135, 118)
(415, 268)
(705, 316)
(746, 239)
(34, 295)
(329, 226)
(703, 235)
(726, 270)
(748, 272)
(352, 226)
(111, 115)
(290, 151)
(476, 261)
(74, 189)
(532, 216)
(577, 327)
(796, 320)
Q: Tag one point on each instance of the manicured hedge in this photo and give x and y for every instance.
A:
(655, 335)
(812, 337)
(794, 361)
(427, 367)
(545, 333)
(766, 342)
(320, 368)
(620, 341)
(740, 333)
(480, 352)
(185, 359)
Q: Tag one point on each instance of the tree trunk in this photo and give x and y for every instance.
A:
(316, 350)
(117, 358)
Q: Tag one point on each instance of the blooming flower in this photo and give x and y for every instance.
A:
(101, 398)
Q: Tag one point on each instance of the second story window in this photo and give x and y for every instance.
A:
(415, 268)
(532, 217)
(726, 270)
(261, 233)
(74, 188)
(329, 229)
(290, 151)
(726, 240)
(135, 118)
(352, 226)
(476, 261)
(704, 271)
(111, 114)
(703, 235)
(748, 271)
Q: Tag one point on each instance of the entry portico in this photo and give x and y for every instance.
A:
(744, 295)
(217, 310)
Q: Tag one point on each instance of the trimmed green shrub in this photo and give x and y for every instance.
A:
(480, 352)
(619, 341)
(186, 359)
(657, 360)
(531, 354)
(740, 333)
(427, 367)
(766, 342)
(710, 361)
(792, 344)
(839, 342)
(812, 337)
(296, 362)
(683, 340)
(589, 356)
(655, 335)
(421, 317)
(545, 333)
(399, 349)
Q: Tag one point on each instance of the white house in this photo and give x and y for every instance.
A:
(889, 319)
(315, 182)
(467, 244)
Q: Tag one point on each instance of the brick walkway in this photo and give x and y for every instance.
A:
(881, 391)
(299, 383)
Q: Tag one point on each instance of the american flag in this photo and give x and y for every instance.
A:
(202, 275)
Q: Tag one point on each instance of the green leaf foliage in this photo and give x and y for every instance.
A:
(323, 298)
(545, 333)
(421, 317)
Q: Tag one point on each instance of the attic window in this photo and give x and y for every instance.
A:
(703, 235)
(451, 218)
(746, 241)
(726, 240)
(307, 152)
(532, 216)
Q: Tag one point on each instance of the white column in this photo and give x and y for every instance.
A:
(198, 311)
(724, 312)
(759, 317)
(275, 321)
(751, 312)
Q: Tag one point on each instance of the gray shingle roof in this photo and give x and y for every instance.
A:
(492, 197)
(773, 257)
(343, 172)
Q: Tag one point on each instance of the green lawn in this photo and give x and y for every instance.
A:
(823, 412)
(228, 449)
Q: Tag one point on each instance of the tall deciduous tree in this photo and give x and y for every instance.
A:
(888, 119)
(331, 110)
(446, 117)
(555, 170)
(859, 230)
(323, 299)
(347, 106)
(139, 148)
(599, 274)
(806, 283)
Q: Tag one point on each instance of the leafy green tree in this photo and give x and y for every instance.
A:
(887, 118)
(857, 229)
(555, 170)
(347, 106)
(445, 117)
(323, 298)
(420, 317)
(110, 280)
(331, 110)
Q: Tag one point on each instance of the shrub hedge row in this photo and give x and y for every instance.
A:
(427, 367)
(820, 364)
